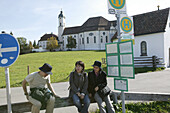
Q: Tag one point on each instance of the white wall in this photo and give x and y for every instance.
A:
(91, 45)
(167, 41)
(155, 45)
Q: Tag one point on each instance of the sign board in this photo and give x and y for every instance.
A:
(117, 6)
(121, 84)
(119, 58)
(126, 28)
(9, 50)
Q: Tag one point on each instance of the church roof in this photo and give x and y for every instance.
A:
(152, 22)
(92, 24)
(46, 36)
(146, 23)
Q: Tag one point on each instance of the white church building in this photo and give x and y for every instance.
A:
(151, 31)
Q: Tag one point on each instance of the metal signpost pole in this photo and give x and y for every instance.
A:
(119, 40)
(9, 52)
(8, 89)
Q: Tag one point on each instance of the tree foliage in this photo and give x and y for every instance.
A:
(24, 47)
(35, 45)
(71, 42)
(52, 43)
(30, 45)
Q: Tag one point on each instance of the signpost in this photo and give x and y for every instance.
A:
(119, 56)
(9, 52)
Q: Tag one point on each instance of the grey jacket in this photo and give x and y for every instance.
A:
(78, 83)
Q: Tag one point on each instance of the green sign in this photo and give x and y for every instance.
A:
(119, 58)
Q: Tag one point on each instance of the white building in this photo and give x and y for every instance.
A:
(151, 30)
(43, 42)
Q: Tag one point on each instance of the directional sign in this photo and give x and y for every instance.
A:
(9, 50)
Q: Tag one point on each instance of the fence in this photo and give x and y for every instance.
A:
(153, 61)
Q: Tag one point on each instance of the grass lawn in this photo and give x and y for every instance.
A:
(62, 62)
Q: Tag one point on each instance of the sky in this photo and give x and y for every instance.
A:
(32, 19)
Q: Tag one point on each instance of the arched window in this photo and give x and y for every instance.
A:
(87, 40)
(106, 39)
(143, 48)
(94, 39)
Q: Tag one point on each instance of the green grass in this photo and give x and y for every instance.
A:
(62, 62)
(151, 107)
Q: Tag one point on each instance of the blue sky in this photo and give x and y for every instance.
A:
(33, 18)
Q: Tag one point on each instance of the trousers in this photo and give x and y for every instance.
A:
(36, 105)
(100, 103)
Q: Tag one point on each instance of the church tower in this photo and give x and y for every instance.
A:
(61, 20)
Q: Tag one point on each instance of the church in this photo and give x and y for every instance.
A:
(151, 34)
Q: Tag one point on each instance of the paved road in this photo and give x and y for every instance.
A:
(156, 82)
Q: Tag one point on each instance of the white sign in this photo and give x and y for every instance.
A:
(117, 6)
(126, 27)
(121, 84)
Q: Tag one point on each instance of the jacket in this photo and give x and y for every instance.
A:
(78, 83)
(94, 81)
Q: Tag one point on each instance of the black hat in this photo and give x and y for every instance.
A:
(97, 63)
(46, 68)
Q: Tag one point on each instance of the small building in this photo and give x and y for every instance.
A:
(43, 42)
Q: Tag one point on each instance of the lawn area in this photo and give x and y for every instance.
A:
(62, 62)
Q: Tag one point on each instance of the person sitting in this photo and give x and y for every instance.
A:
(96, 82)
(39, 95)
(78, 88)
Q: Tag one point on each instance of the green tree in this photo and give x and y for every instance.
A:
(52, 43)
(30, 45)
(34, 44)
(71, 42)
(24, 48)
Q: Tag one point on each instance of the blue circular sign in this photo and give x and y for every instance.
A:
(9, 50)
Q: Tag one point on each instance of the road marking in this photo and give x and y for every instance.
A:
(9, 49)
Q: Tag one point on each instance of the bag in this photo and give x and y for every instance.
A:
(40, 94)
(104, 92)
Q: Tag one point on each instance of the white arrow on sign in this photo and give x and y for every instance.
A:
(9, 49)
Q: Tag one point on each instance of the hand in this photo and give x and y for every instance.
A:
(97, 88)
(82, 97)
(79, 94)
(90, 95)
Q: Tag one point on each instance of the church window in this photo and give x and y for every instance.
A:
(106, 39)
(82, 40)
(74, 35)
(60, 24)
(87, 40)
(94, 39)
(101, 40)
(104, 33)
(143, 48)
(80, 35)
